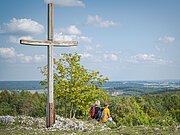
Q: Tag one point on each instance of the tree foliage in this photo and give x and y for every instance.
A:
(22, 103)
(159, 109)
(76, 88)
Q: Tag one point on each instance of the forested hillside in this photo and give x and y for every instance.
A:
(22, 103)
(157, 109)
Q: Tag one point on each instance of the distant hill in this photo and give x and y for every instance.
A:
(126, 88)
(133, 88)
(20, 85)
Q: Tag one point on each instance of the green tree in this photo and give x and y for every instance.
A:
(126, 111)
(76, 88)
(5, 96)
(5, 107)
(25, 103)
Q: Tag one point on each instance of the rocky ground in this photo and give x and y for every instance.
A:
(29, 125)
(38, 125)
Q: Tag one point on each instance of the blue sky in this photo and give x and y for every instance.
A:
(122, 39)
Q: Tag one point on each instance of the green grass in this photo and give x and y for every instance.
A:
(136, 130)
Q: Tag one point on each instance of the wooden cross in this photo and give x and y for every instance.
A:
(50, 112)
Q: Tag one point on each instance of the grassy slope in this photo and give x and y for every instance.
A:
(138, 130)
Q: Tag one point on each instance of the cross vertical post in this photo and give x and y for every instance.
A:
(50, 105)
(50, 43)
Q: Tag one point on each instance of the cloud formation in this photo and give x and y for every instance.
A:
(10, 55)
(22, 27)
(67, 3)
(99, 22)
(111, 57)
(7, 53)
(167, 39)
(97, 54)
(85, 55)
(71, 33)
(71, 30)
(62, 37)
(146, 58)
(16, 40)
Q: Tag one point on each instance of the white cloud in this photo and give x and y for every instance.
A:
(167, 39)
(91, 57)
(111, 57)
(24, 59)
(84, 39)
(22, 26)
(7, 53)
(72, 30)
(98, 46)
(99, 22)
(143, 58)
(88, 48)
(39, 58)
(62, 37)
(71, 33)
(16, 40)
(85, 55)
(92, 54)
(68, 3)
(10, 55)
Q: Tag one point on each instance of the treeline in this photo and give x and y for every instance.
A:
(22, 103)
(156, 109)
(140, 90)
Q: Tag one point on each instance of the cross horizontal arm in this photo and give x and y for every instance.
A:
(48, 42)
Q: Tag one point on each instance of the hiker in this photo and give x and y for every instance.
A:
(106, 117)
(95, 110)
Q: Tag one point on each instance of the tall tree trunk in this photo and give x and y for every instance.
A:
(65, 107)
(71, 110)
(74, 113)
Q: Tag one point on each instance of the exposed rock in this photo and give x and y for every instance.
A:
(70, 124)
(7, 119)
(177, 127)
(27, 122)
(156, 129)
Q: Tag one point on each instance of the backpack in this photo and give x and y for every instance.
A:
(92, 112)
(100, 114)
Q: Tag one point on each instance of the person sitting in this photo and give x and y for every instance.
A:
(106, 117)
(97, 110)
